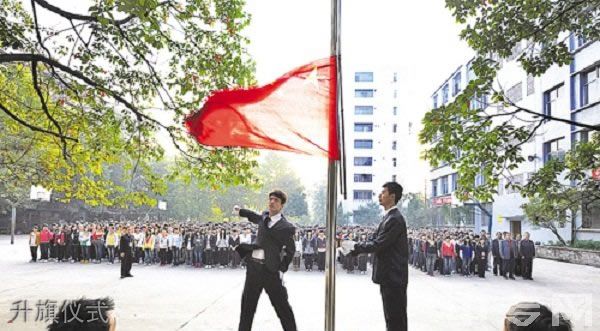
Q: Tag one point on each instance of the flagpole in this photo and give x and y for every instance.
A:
(332, 171)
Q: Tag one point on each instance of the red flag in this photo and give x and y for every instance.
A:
(296, 113)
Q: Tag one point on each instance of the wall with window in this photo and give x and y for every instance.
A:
(364, 93)
(363, 127)
(373, 100)
(363, 77)
(363, 110)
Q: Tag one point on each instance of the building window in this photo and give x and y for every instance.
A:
(470, 72)
(394, 162)
(582, 136)
(395, 110)
(501, 186)
(363, 77)
(363, 143)
(590, 86)
(394, 145)
(363, 93)
(554, 149)
(363, 178)
(363, 110)
(479, 102)
(395, 77)
(393, 178)
(550, 100)
(445, 94)
(530, 85)
(363, 127)
(363, 161)
(590, 213)
(435, 105)
(514, 180)
(456, 83)
(394, 128)
(445, 187)
(580, 41)
(363, 194)
(454, 182)
(434, 187)
(395, 94)
(515, 93)
(479, 180)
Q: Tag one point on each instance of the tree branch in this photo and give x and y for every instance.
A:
(33, 127)
(26, 57)
(78, 17)
(34, 79)
(548, 117)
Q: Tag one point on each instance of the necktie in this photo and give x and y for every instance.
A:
(267, 221)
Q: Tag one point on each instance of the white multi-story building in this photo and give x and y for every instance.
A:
(374, 132)
(570, 92)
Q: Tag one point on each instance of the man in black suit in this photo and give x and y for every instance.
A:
(496, 255)
(390, 263)
(267, 258)
(126, 250)
(528, 253)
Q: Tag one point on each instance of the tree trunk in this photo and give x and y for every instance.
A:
(555, 231)
(13, 223)
(573, 226)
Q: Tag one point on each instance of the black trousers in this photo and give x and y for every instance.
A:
(497, 262)
(308, 261)
(126, 261)
(508, 267)
(44, 247)
(321, 260)
(33, 250)
(481, 264)
(394, 308)
(527, 267)
(518, 265)
(258, 277)
(208, 257)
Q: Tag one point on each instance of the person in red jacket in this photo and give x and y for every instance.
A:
(59, 240)
(45, 237)
(448, 254)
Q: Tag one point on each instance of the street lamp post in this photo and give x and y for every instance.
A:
(13, 223)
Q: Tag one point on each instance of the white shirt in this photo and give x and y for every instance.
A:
(274, 219)
(245, 238)
(260, 253)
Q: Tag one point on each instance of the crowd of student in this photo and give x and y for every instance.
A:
(199, 245)
(463, 252)
(212, 245)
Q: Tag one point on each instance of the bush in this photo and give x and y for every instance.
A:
(588, 244)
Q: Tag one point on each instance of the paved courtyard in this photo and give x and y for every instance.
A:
(165, 298)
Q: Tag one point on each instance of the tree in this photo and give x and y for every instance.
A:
(94, 89)
(319, 204)
(415, 210)
(479, 138)
(555, 201)
(367, 214)
(319, 208)
(275, 173)
(341, 216)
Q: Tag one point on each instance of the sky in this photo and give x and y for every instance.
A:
(419, 38)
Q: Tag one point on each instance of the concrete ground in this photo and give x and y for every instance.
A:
(166, 298)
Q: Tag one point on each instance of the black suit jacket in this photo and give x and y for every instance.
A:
(390, 248)
(527, 248)
(277, 242)
(125, 244)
